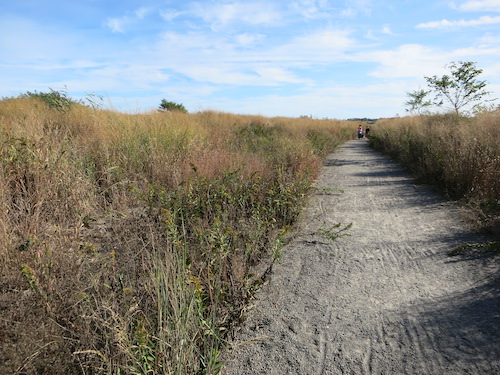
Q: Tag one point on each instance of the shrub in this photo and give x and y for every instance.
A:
(172, 106)
(58, 100)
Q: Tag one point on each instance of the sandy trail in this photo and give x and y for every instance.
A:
(385, 300)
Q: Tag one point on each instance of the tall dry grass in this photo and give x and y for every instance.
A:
(128, 243)
(459, 155)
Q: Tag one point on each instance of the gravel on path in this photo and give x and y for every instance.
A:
(387, 299)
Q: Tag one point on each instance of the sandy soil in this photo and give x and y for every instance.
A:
(385, 300)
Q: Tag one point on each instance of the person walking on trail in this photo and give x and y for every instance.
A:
(367, 130)
(360, 132)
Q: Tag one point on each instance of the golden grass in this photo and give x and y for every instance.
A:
(128, 241)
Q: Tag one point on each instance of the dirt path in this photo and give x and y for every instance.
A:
(385, 300)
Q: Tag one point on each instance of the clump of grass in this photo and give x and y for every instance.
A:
(492, 247)
(128, 242)
(336, 231)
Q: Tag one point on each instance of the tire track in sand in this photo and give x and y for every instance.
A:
(385, 300)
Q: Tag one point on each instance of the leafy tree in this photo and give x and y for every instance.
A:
(166, 105)
(416, 102)
(459, 89)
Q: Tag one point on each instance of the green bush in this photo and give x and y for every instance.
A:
(166, 105)
(58, 100)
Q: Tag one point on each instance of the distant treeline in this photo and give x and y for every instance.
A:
(367, 120)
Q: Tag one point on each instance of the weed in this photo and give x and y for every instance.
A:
(88, 248)
(30, 277)
(492, 247)
(331, 191)
(335, 232)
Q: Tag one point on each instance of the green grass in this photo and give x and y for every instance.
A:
(491, 247)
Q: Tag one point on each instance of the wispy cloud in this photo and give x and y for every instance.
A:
(170, 14)
(277, 75)
(386, 29)
(485, 20)
(249, 13)
(312, 9)
(322, 45)
(355, 7)
(480, 6)
(409, 60)
(247, 39)
(119, 24)
(490, 39)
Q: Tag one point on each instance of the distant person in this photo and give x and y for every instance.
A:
(367, 131)
(360, 132)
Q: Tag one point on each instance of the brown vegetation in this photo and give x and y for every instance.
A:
(128, 243)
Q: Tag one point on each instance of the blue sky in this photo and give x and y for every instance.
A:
(323, 58)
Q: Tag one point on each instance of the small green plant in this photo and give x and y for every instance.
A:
(30, 277)
(279, 243)
(88, 248)
(87, 221)
(335, 231)
(331, 191)
(492, 247)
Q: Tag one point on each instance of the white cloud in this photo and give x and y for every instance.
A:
(221, 74)
(473, 52)
(119, 24)
(274, 75)
(170, 14)
(489, 39)
(141, 13)
(311, 9)
(224, 54)
(481, 6)
(336, 101)
(322, 45)
(492, 70)
(409, 60)
(386, 29)
(247, 39)
(485, 20)
(355, 7)
(250, 13)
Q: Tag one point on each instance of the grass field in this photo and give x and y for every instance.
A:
(128, 242)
